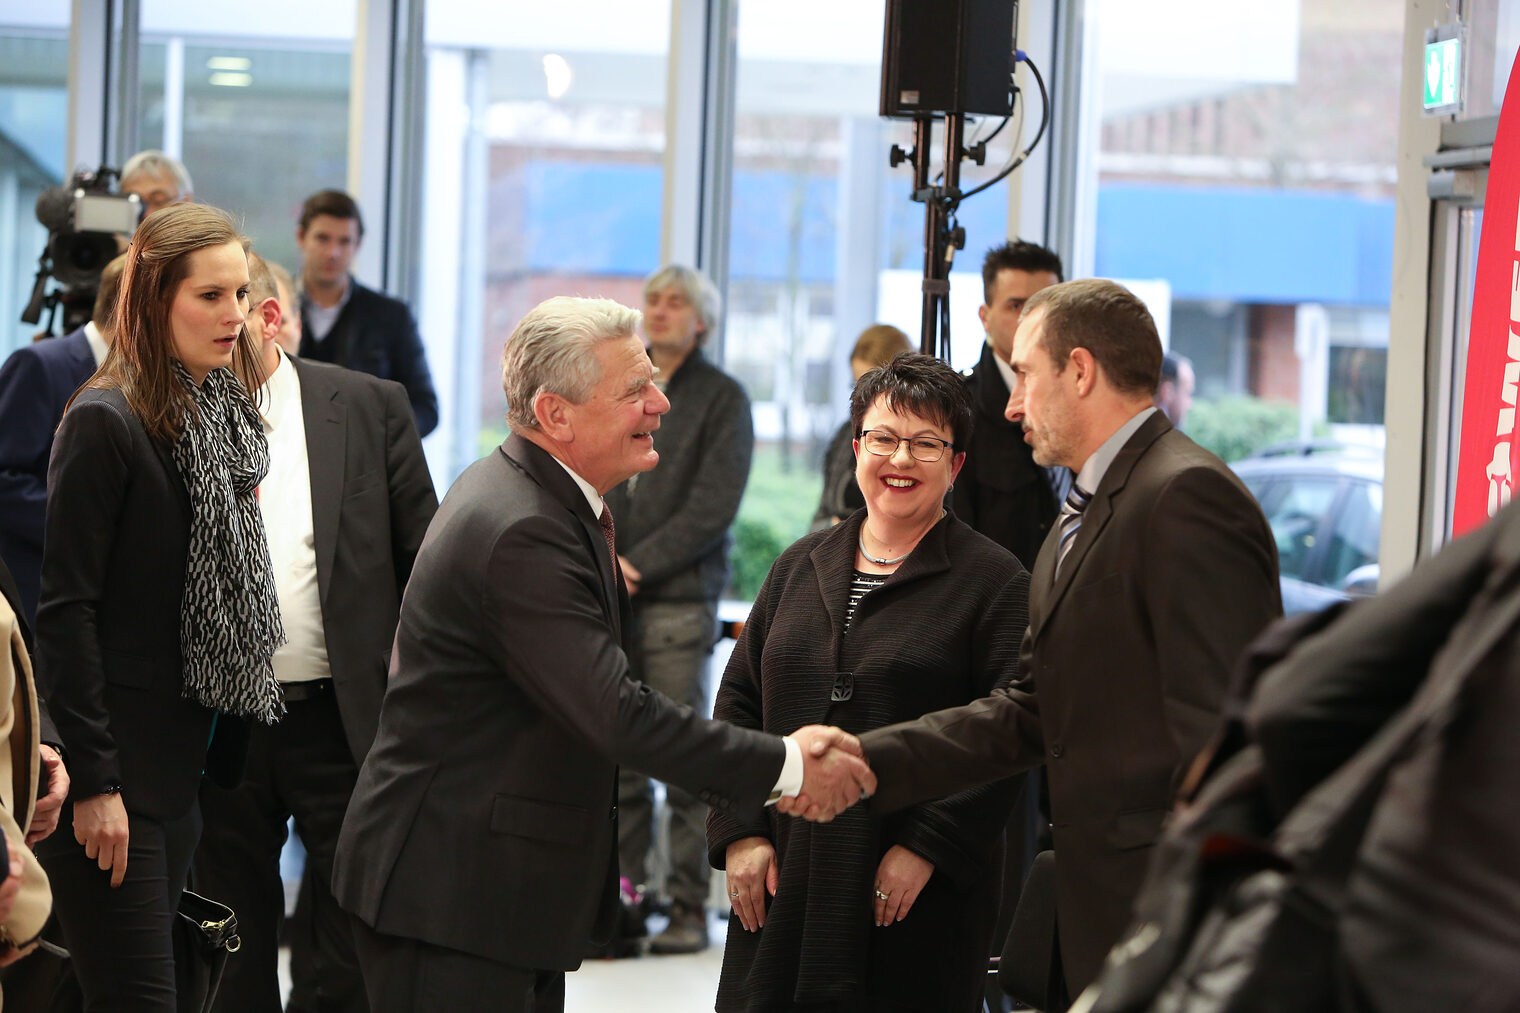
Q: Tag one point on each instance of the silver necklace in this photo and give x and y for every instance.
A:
(861, 541)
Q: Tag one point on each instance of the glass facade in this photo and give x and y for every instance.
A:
(34, 65)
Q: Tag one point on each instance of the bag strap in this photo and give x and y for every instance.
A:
(1322, 834)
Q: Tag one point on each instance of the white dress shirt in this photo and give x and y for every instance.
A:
(789, 784)
(322, 318)
(285, 503)
(98, 346)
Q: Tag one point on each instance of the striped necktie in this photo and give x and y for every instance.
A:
(1071, 522)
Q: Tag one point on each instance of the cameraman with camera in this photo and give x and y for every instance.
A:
(36, 383)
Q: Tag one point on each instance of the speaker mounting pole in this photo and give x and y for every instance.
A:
(941, 239)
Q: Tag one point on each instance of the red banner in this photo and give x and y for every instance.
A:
(1487, 468)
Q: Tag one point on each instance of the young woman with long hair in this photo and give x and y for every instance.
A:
(158, 614)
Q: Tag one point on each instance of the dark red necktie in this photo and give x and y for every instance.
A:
(608, 532)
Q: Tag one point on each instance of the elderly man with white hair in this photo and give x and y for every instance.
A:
(673, 527)
(478, 851)
(157, 179)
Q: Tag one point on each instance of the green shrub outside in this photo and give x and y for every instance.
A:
(777, 508)
(1238, 425)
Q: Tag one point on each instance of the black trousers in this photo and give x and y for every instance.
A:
(410, 976)
(301, 767)
(121, 939)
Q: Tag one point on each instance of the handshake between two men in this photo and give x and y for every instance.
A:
(835, 774)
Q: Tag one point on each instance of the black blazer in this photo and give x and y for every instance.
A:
(36, 383)
(1000, 491)
(376, 334)
(1432, 920)
(108, 649)
(1125, 666)
(484, 818)
(371, 501)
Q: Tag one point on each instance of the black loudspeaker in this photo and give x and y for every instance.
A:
(947, 56)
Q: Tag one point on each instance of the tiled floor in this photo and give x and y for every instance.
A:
(649, 984)
(638, 985)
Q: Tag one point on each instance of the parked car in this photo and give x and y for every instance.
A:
(1324, 501)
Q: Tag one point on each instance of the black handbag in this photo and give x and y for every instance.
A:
(205, 935)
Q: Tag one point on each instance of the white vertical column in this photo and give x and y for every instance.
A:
(89, 63)
(699, 139)
(369, 132)
(1076, 107)
(685, 88)
(1029, 186)
(174, 97)
(1409, 333)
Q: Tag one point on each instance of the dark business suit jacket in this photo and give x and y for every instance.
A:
(484, 817)
(36, 383)
(108, 647)
(371, 501)
(1432, 920)
(1125, 666)
(1000, 491)
(376, 334)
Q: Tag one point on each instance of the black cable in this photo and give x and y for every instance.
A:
(1000, 126)
(974, 141)
(1044, 122)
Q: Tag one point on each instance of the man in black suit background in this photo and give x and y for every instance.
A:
(1160, 570)
(346, 323)
(479, 851)
(1001, 491)
(36, 383)
(345, 504)
(1005, 495)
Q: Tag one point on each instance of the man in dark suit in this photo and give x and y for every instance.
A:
(346, 323)
(1159, 571)
(479, 851)
(36, 383)
(1432, 919)
(1001, 491)
(345, 503)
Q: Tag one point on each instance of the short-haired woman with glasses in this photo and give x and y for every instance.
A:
(899, 610)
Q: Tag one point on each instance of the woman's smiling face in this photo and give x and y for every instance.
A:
(899, 486)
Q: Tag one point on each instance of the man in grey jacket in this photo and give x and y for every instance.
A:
(673, 534)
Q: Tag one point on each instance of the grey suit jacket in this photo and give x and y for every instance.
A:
(1125, 666)
(371, 501)
(484, 819)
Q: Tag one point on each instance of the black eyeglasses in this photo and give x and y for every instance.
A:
(926, 449)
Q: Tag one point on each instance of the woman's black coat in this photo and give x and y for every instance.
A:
(943, 630)
(108, 626)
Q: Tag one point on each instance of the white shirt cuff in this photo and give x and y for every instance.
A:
(789, 784)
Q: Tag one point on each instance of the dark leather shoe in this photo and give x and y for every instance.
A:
(686, 933)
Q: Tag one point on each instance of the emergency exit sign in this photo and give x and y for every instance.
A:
(1443, 70)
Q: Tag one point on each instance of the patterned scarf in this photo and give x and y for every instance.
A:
(230, 619)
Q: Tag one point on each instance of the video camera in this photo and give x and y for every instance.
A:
(83, 218)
